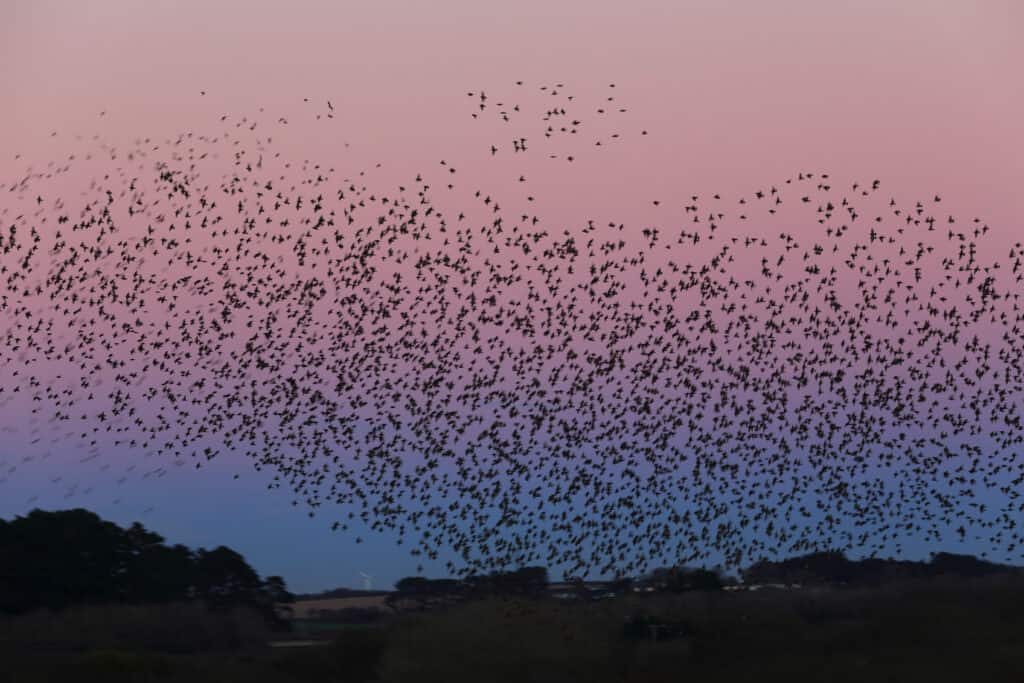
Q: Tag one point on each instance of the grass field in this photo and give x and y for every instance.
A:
(926, 631)
(304, 609)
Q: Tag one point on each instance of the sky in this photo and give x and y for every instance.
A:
(735, 95)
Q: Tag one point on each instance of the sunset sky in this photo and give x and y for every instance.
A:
(735, 95)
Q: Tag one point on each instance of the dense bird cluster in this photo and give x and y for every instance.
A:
(600, 398)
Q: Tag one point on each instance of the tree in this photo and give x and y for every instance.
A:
(413, 585)
(681, 579)
(962, 566)
(705, 580)
(528, 580)
(415, 588)
(276, 590)
(276, 601)
(423, 591)
(676, 580)
(223, 578)
(659, 577)
(621, 585)
(72, 557)
(56, 559)
(161, 574)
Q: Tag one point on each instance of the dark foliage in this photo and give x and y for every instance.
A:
(353, 615)
(834, 568)
(642, 627)
(55, 560)
(340, 593)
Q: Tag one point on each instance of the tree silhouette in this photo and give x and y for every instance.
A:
(277, 591)
(705, 580)
(621, 585)
(223, 579)
(276, 601)
(53, 559)
(72, 557)
(155, 572)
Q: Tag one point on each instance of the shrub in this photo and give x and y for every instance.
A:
(642, 627)
(175, 628)
(113, 666)
(359, 651)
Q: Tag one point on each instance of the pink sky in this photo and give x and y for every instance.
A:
(923, 94)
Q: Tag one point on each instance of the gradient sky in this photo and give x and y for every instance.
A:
(923, 94)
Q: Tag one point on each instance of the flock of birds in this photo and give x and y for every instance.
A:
(495, 390)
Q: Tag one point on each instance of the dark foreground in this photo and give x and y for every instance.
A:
(922, 631)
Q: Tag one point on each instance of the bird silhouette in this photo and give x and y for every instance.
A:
(504, 390)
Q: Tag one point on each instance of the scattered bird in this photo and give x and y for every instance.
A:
(513, 391)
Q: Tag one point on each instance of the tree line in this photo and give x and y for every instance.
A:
(833, 567)
(58, 559)
(830, 568)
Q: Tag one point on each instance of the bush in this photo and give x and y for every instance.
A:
(496, 641)
(642, 627)
(360, 651)
(114, 666)
(352, 615)
(353, 656)
(175, 628)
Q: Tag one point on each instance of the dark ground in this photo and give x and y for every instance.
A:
(936, 630)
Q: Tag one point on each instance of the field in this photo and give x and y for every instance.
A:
(305, 609)
(923, 631)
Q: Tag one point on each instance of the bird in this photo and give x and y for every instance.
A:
(612, 391)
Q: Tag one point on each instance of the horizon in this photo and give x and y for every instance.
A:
(735, 574)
